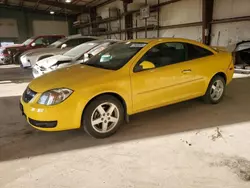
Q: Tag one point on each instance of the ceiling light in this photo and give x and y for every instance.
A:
(68, 1)
(52, 12)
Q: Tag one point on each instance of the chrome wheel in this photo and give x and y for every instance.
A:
(105, 117)
(217, 90)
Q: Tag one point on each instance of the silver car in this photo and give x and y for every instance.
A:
(29, 58)
(79, 54)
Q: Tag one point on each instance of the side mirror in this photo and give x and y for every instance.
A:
(33, 44)
(145, 65)
(90, 55)
(63, 46)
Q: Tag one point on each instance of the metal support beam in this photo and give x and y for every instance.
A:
(128, 19)
(25, 9)
(21, 3)
(105, 3)
(207, 16)
(37, 4)
(93, 15)
(61, 5)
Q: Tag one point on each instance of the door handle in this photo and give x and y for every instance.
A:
(186, 71)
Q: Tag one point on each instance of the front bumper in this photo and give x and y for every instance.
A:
(4, 60)
(36, 71)
(24, 62)
(63, 116)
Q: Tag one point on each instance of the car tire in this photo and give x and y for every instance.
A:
(103, 116)
(215, 91)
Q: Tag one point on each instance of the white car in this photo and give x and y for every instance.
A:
(30, 57)
(79, 54)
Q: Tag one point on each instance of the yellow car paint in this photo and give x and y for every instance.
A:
(140, 91)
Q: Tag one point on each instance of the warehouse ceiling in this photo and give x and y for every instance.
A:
(53, 6)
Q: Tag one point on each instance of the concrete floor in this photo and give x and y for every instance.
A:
(189, 145)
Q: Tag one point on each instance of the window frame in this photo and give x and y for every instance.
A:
(185, 44)
(137, 63)
(40, 38)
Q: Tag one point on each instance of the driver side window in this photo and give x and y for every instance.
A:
(41, 41)
(163, 54)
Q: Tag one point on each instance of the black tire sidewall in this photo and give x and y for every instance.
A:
(86, 123)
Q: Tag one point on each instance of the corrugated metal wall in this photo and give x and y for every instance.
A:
(185, 12)
(224, 34)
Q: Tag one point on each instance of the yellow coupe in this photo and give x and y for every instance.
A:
(126, 78)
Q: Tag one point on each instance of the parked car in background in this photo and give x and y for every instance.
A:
(30, 58)
(241, 52)
(32, 43)
(4, 55)
(124, 79)
(76, 55)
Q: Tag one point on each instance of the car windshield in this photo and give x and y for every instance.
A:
(80, 49)
(116, 56)
(28, 41)
(99, 48)
(58, 43)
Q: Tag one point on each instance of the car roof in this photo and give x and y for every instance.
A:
(100, 41)
(148, 40)
(53, 35)
(80, 36)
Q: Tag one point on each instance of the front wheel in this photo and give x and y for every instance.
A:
(215, 91)
(103, 116)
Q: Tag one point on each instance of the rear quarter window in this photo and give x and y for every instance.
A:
(196, 52)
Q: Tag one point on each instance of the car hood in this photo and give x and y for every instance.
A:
(34, 51)
(50, 61)
(71, 77)
(14, 46)
(42, 51)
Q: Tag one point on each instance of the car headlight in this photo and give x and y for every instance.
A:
(23, 58)
(42, 68)
(54, 96)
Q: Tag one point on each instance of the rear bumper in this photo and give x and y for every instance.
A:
(242, 71)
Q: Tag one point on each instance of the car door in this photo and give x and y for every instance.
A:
(164, 84)
(199, 62)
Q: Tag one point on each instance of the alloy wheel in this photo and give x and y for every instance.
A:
(217, 90)
(105, 117)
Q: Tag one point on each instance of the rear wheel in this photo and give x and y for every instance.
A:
(103, 116)
(215, 91)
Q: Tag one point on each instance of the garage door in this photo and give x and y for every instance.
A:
(50, 27)
(8, 28)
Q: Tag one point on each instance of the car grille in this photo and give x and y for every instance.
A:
(28, 95)
(42, 68)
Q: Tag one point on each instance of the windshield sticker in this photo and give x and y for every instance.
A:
(105, 58)
(138, 45)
